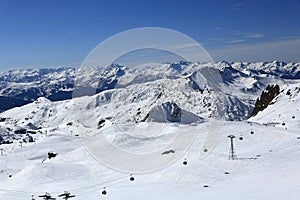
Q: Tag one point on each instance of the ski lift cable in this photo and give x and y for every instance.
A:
(241, 133)
(87, 189)
(14, 192)
(26, 193)
(107, 182)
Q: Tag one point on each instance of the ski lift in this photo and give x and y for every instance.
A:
(104, 192)
(47, 196)
(131, 177)
(241, 138)
(184, 162)
(66, 195)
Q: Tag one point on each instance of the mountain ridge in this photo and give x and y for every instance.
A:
(219, 90)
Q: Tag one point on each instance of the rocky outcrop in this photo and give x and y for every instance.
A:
(265, 98)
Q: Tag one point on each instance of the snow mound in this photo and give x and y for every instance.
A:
(171, 112)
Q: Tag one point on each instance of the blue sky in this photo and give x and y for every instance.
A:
(49, 33)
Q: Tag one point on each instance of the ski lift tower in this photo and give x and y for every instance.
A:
(232, 154)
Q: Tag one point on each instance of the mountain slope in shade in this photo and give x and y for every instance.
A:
(170, 112)
(7, 103)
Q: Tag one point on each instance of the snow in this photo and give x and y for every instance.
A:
(273, 175)
(90, 157)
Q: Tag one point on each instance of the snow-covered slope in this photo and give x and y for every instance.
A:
(178, 121)
(266, 168)
(284, 109)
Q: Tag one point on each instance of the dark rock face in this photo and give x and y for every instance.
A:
(20, 131)
(1, 139)
(265, 98)
(28, 139)
(101, 123)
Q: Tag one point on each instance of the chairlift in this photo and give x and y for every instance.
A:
(241, 138)
(104, 192)
(66, 195)
(131, 177)
(184, 162)
(47, 196)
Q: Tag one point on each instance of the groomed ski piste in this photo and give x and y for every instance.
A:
(265, 166)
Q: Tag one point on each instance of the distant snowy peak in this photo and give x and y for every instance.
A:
(275, 68)
(29, 75)
(179, 66)
(114, 70)
(59, 83)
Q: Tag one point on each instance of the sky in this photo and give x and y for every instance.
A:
(51, 33)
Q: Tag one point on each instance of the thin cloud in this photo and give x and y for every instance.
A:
(219, 28)
(184, 46)
(250, 35)
(238, 7)
(214, 39)
(235, 42)
(285, 50)
(254, 36)
(290, 37)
